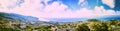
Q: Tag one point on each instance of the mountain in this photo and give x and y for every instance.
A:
(22, 19)
(103, 18)
(109, 17)
(18, 17)
(54, 20)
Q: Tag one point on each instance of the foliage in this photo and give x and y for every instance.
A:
(98, 26)
(91, 25)
(93, 20)
(82, 27)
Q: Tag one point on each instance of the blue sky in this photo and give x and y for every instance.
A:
(57, 10)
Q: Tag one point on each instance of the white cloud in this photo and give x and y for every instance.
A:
(55, 7)
(28, 8)
(45, 1)
(118, 12)
(9, 4)
(80, 1)
(5, 3)
(109, 3)
(55, 10)
(43, 19)
(82, 13)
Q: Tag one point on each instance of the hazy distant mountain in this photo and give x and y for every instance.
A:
(18, 17)
(35, 19)
(109, 17)
(103, 18)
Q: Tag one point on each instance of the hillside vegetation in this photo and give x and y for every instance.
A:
(10, 24)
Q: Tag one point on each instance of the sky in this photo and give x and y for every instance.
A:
(50, 10)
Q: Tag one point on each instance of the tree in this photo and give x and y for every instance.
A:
(92, 20)
(82, 27)
(4, 24)
(112, 22)
(44, 28)
(98, 26)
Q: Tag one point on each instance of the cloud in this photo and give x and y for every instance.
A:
(45, 1)
(101, 11)
(28, 8)
(80, 1)
(109, 3)
(54, 10)
(55, 7)
(10, 3)
(81, 13)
